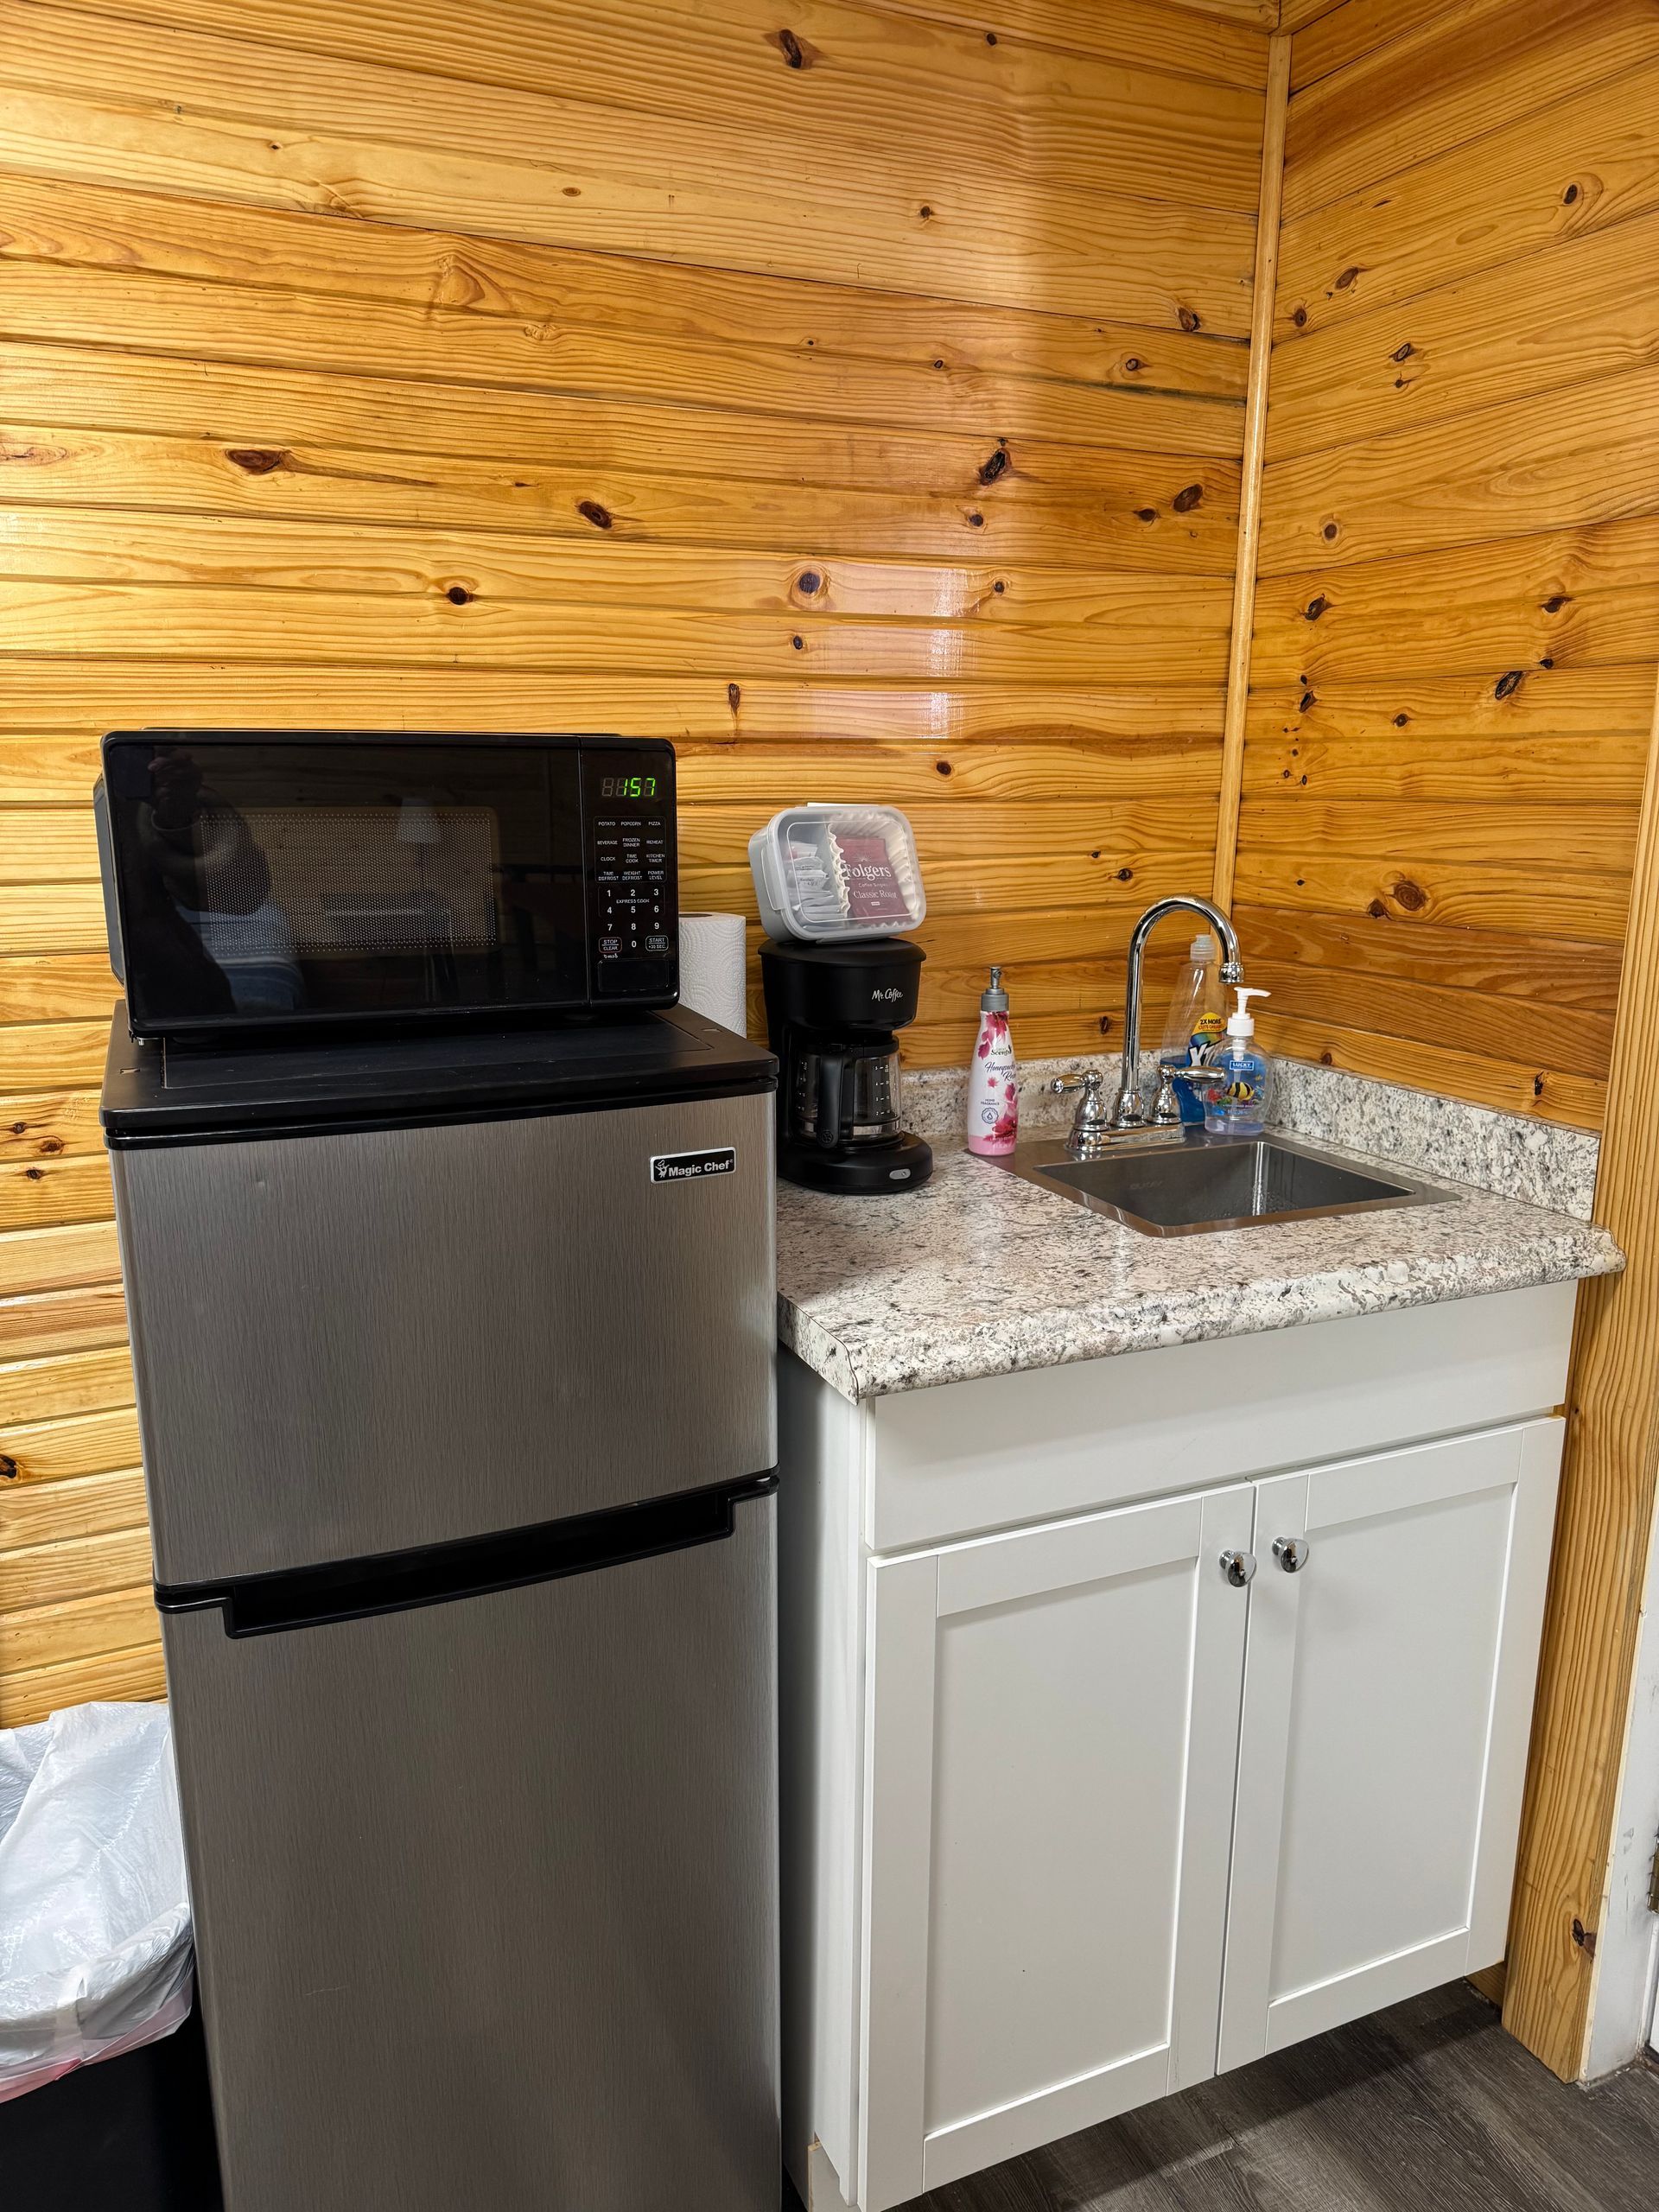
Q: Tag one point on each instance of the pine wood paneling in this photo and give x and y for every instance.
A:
(1475, 342)
(1576, 167)
(1457, 613)
(1472, 68)
(1004, 199)
(1589, 457)
(861, 407)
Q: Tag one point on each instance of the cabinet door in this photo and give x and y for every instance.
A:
(1388, 1700)
(1050, 1746)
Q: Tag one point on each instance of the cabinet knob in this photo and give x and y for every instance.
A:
(1291, 1552)
(1238, 1567)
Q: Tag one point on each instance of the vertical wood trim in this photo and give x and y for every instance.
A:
(1255, 434)
(1602, 1533)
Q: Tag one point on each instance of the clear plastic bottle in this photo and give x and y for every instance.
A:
(1238, 1104)
(1196, 1018)
(992, 1091)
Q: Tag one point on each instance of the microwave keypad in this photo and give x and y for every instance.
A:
(631, 880)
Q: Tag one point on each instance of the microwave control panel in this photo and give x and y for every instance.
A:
(628, 807)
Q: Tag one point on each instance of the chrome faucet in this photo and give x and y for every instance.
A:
(1129, 1112)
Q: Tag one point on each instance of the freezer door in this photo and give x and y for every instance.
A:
(485, 1893)
(371, 1341)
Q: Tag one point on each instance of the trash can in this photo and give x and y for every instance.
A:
(96, 2106)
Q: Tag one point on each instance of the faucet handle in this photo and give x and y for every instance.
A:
(1089, 1125)
(1166, 1112)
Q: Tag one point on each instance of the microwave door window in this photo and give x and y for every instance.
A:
(277, 881)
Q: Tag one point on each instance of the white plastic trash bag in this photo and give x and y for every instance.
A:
(95, 1956)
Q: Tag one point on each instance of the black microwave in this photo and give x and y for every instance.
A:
(270, 879)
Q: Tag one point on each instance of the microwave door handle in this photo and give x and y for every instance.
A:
(832, 1066)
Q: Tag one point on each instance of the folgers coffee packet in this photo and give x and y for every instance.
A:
(873, 889)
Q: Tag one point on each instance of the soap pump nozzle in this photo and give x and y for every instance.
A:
(1242, 1023)
(995, 1000)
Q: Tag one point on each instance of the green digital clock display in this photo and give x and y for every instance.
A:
(627, 787)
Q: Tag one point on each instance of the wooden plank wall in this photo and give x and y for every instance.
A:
(859, 403)
(1458, 610)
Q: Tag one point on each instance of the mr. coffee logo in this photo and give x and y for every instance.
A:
(688, 1166)
(886, 997)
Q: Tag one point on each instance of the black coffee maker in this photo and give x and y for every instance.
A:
(831, 1012)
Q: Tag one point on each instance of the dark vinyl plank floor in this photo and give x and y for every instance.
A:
(1427, 2107)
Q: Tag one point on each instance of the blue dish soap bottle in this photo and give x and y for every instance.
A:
(1238, 1104)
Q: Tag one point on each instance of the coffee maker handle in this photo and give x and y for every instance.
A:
(831, 1068)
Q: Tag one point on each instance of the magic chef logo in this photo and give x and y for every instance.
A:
(691, 1166)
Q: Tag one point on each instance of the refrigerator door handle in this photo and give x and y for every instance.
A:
(473, 1566)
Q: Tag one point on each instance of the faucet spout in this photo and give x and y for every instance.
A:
(1129, 1112)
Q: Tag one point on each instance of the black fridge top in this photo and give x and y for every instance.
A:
(167, 1092)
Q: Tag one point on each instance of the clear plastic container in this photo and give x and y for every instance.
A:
(833, 873)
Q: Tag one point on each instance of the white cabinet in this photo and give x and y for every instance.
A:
(1052, 1731)
(1388, 1695)
(1072, 1821)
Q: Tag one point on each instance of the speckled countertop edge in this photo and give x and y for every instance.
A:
(983, 1273)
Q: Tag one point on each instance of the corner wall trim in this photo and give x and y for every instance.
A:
(1602, 1532)
(1255, 434)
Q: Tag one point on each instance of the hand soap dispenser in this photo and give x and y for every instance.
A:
(993, 1089)
(1238, 1104)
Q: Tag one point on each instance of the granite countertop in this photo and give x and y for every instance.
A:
(982, 1273)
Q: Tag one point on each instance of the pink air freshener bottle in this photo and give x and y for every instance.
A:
(993, 1093)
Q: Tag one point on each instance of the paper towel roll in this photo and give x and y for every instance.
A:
(711, 968)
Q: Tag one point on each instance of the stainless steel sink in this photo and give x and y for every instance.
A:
(1186, 1186)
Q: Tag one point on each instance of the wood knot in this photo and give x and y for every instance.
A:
(793, 53)
(1403, 352)
(259, 460)
(1146, 514)
(1188, 319)
(1126, 875)
(1348, 277)
(1569, 198)
(1331, 532)
(1400, 721)
(808, 582)
(1555, 602)
(1133, 363)
(1377, 910)
(733, 696)
(590, 511)
(1306, 701)
(1508, 684)
(1185, 501)
(458, 595)
(975, 520)
(10, 1469)
(998, 587)
(51, 1147)
(998, 465)
(33, 1174)
(926, 214)
(1315, 607)
(1410, 895)
(1298, 317)
(798, 642)
(944, 767)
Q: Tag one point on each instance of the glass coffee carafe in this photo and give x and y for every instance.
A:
(846, 1094)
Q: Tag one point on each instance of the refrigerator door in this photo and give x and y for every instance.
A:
(384, 1338)
(484, 1893)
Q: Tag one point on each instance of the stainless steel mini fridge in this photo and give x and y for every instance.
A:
(454, 1367)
